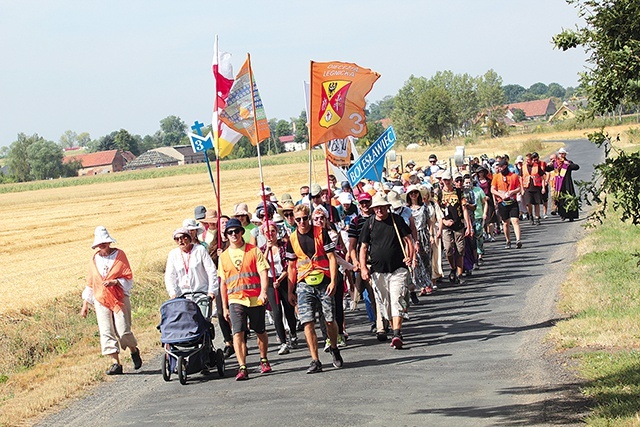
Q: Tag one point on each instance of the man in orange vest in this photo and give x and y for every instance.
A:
(505, 185)
(312, 272)
(535, 186)
(243, 273)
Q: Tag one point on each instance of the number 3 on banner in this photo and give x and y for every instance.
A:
(198, 144)
(357, 121)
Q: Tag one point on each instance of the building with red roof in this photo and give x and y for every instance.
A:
(533, 110)
(101, 162)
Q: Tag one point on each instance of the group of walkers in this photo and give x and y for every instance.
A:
(298, 263)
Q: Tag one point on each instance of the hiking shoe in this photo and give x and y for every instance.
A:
(396, 342)
(314, 367)
(228, 351)
(115, 369)
(242, 374)
(414, 298)
(452, 276)
(265, 366)
(137, 360)
(382, 336)
(342, 342)
(337, 358)
(508, 245)
(284, 349)
(327, 345)
(518, 244)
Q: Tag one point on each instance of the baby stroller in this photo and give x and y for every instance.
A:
(187, 337)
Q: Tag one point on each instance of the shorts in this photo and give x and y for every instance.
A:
(508, 211)
(452, 240)
(533, 196)
(312, 299)
(239, 313)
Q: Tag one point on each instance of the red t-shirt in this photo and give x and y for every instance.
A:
(505, 183)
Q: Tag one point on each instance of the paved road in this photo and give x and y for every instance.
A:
(474, 356)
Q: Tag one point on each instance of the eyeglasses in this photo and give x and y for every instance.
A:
(288, 214)
(302, 219)
(182, 237)
(234, 231)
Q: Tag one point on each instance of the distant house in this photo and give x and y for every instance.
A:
(101, 162)
(290, 145)
(183, 153)
(533, 110)
(568, 110)
(152, 159)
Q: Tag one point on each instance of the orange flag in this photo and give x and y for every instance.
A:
(337, 100)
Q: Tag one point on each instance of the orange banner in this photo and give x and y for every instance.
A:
(337, 100)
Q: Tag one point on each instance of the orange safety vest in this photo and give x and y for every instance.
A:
(537, 179)
(243, 283)
(319, 260)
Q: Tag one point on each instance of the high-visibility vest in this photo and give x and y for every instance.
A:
(319, 260)
(245, 282)
(537, 179)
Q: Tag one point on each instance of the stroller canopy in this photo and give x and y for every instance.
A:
(181, 321)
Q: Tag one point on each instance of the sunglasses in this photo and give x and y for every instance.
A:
(318, 218)
(234, 231)
(304, 194)
(288, 214)
(433, 161)
(302, 219)
(183, 237)
(365, 202)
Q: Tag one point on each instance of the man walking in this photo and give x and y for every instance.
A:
(505, 185)
(387, 239)
(243, 289)
(312, 272)
(535, 186)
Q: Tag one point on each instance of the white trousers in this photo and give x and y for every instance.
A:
(390, 290)
(115, 328)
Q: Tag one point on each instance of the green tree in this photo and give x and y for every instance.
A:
(513, 93)
(69, 139)
(611, 39)
(174, 130)
(435, 115)
(519, 115)
(301, 132)
(404, 112)
(283, 128)
(83, 139)
(374, 130)
(538, 89)
(107, 142)
(555, 90)
(4, 150)
(18, 157)
(124, 141)
(381, 109)
(45, 159)
(490, 93)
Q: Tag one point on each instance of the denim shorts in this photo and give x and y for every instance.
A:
(312, 299)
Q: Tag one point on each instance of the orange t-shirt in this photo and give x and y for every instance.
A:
(505, 183)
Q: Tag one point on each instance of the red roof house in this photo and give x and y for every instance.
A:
(539, 109)
(101, 162)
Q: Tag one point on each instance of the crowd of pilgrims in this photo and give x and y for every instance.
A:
(452, 213)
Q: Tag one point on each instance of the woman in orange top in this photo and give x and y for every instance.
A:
(109, 283)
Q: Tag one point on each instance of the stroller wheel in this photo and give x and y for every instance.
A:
(166, 367)
(182, 370)
(220, 362)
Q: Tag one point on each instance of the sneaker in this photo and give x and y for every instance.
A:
(373, 328)
(545, 216)
(228, 351)
(396, 342)
(353, 306)
(337, 358)
(480, 261)
(518, 244)
(294, 342)
(452, 276)
(115, 369)
(284, 349)
(314, 367)
(342, 342)
(405, 316)
(414, 298)
(492, 239)
(265, 366)
(382, 336)
(327, 345)
(242, 374)
(460, 280)
(434, 286)
(508, 245)
(137, 360)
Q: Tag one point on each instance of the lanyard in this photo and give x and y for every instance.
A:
(185, 264)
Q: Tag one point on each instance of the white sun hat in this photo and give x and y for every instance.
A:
(101, 235)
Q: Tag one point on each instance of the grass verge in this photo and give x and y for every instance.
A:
(602, 299)
(51, 352)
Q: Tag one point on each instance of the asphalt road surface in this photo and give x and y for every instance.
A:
(474, 355)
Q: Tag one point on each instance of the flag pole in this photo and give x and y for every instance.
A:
(264, 196)
(326, 164)
(309, 128)
(216, 136)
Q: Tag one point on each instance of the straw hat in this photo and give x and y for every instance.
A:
(241, 209)
(101, 235)
(211, 217)
(393, 199)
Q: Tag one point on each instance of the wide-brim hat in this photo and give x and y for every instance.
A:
(211, 217)
(192, 224)
(180, 231)
(241, 209)
(413, 187)
(393, 199)
(562, 151)
(287, 205)
(446, 174)
(379, 200)
(101, 235)
(315, 190)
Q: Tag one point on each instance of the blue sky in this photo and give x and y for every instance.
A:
(96, 67)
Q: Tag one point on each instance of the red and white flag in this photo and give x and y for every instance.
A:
(224, 137)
